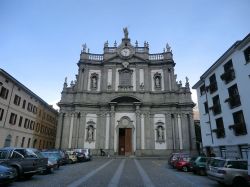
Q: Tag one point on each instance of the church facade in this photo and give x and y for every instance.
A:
(126, 101)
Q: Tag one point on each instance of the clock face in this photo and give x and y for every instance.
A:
(125, 52)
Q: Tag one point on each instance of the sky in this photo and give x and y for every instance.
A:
(41, 41)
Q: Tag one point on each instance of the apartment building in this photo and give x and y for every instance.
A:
(25, 119)
(224, 102)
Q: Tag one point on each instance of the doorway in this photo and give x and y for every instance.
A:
(125, 141)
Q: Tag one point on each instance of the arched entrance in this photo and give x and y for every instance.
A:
(125, 130)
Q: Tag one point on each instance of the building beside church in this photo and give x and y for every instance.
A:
(223, 98)
(26, 120)
(126, 101)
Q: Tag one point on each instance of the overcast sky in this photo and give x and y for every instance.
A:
(40, 41)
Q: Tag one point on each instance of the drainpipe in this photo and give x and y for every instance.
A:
(209, 118)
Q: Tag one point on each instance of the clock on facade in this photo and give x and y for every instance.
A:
(125, 52)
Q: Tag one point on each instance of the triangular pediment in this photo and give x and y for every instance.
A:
(117, 59)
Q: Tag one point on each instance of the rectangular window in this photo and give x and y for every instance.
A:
(17, 100)
(216, 105)
(202, 90)
(26, 123)
(234, 97)
(23, 139)
(220, 131)
(20, 121)
(239, 125)
(24, 103)
(213, 84)
(206, 107)
(12, 118)
(28, 145)
(229, 73)
(1, 114)
(247, 55)
(4, 93)
(35, 110)
(243, 151)
(223, 151)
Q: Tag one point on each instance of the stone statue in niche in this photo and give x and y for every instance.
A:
(90, 133)
(160, 133)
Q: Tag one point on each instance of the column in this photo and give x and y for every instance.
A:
(180, 130)
(75, 130)
(65, 131)
(81, 132)
(112, 126)
(85, 79)
(147, 130)
(59, 130)
(192, 131)
(71, 130)
(169, 130)
(107, 131)
(138, 126)
(142, 132)
(137, 83)
(165, 75)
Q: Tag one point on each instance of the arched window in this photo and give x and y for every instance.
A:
(157, 81)
(34, 143)
(94, 81)
(7, 142)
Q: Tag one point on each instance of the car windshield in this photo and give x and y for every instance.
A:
(217, 163)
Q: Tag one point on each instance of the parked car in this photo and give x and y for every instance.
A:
(199, 165)
(87, 154)
(53, 154)
(63, 156)
(174, 157)
(80, 155)
(72, 158)
(7, 174)
(52, 162)
(25, 162)
(229, 171)
(184, 163)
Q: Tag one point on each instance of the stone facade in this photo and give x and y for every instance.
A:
(126, 102)
(25, 119)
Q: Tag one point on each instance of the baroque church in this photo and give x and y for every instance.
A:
(126, 101)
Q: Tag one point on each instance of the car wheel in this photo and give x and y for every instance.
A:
(70, 161)
(184, 168)
(202, 172)
(238, 181)
(17, 172)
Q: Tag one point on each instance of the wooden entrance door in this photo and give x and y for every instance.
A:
(125, 141)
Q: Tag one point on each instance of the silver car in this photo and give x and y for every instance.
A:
(228, 171)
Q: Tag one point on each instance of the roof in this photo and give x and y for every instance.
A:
(27, 90)
(232, 49)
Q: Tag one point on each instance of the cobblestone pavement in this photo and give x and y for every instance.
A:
(131, 172)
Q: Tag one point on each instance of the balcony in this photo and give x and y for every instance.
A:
(228, 76)
(220, 132)
(239, 129)
(212, 87)
(233, 101)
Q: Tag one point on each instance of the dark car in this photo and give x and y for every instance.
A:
(24, 161)
(83, 154)
(7, 174)
(200, 164)
(51, 163)
(174, 158)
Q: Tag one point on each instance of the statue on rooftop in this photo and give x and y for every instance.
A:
(125, 30)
